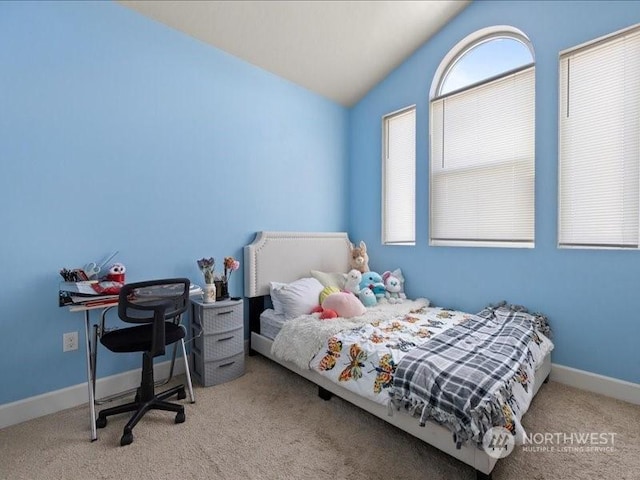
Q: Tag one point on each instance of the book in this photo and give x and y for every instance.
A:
(80, 288)
(94, 298)
(99, 303)
(70, 298)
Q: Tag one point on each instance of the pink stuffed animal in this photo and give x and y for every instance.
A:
(341, 304)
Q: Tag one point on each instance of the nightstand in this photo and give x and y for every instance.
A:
(217, 330)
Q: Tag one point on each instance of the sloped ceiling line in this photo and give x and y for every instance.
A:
(338, 49)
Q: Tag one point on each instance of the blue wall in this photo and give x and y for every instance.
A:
(118, 133)
(590, 297)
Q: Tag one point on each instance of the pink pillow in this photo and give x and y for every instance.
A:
(344, 304)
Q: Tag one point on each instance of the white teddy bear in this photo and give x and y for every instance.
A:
(354, 277)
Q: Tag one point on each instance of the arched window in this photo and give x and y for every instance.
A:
(482, 120)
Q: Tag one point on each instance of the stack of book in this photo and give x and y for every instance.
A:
(83, 293)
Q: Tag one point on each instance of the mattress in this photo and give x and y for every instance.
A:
(271, 323)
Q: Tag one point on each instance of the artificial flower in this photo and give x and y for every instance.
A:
(206, 266)
(230, 265)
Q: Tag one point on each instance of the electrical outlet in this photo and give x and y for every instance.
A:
(69, 341)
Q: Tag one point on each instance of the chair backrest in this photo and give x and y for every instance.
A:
(140, 302)
(155, 302)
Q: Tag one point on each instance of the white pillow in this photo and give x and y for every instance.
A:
(296, 298)
(275, 298)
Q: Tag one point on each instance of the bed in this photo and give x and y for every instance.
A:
(288, 256)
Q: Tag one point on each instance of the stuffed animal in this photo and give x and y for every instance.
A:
(373, 281)
(112, 282)
(367, 297)
(326, 291)
(394, 286)
(325, 314)
(353, 281)
(359, 258)
(341, 304)
(116, 273)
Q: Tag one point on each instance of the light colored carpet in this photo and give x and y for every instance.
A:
(270, 424)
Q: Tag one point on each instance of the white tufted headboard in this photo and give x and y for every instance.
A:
(288, 256)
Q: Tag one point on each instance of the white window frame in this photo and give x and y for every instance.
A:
(441, 75)
(399, 183)
(599, 179)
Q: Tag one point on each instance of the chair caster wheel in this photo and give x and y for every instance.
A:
(180, 417)
(101, 422)
(182, 394)
(127, 438)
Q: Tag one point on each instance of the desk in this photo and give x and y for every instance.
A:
(91, 345)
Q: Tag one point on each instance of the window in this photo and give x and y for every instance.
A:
(599, 144)
(482, 118)
(399, 178)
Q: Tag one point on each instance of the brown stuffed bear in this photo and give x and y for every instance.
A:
(359, 260)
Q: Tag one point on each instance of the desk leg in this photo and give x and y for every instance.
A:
(94, 358)
(187, 371)
(92, 405)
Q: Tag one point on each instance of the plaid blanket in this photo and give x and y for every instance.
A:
(462, 377)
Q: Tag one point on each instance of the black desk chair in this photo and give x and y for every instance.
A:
(157, 305)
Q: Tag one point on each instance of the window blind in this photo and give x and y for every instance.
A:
(399, 167)
(482, 164)
(599, 144)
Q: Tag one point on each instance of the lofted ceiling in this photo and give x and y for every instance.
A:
(338, 49)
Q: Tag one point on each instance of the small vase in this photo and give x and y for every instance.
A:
(209, 293)
(222, 292)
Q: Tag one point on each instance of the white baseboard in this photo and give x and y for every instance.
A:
(592, 382)
(51, 402)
